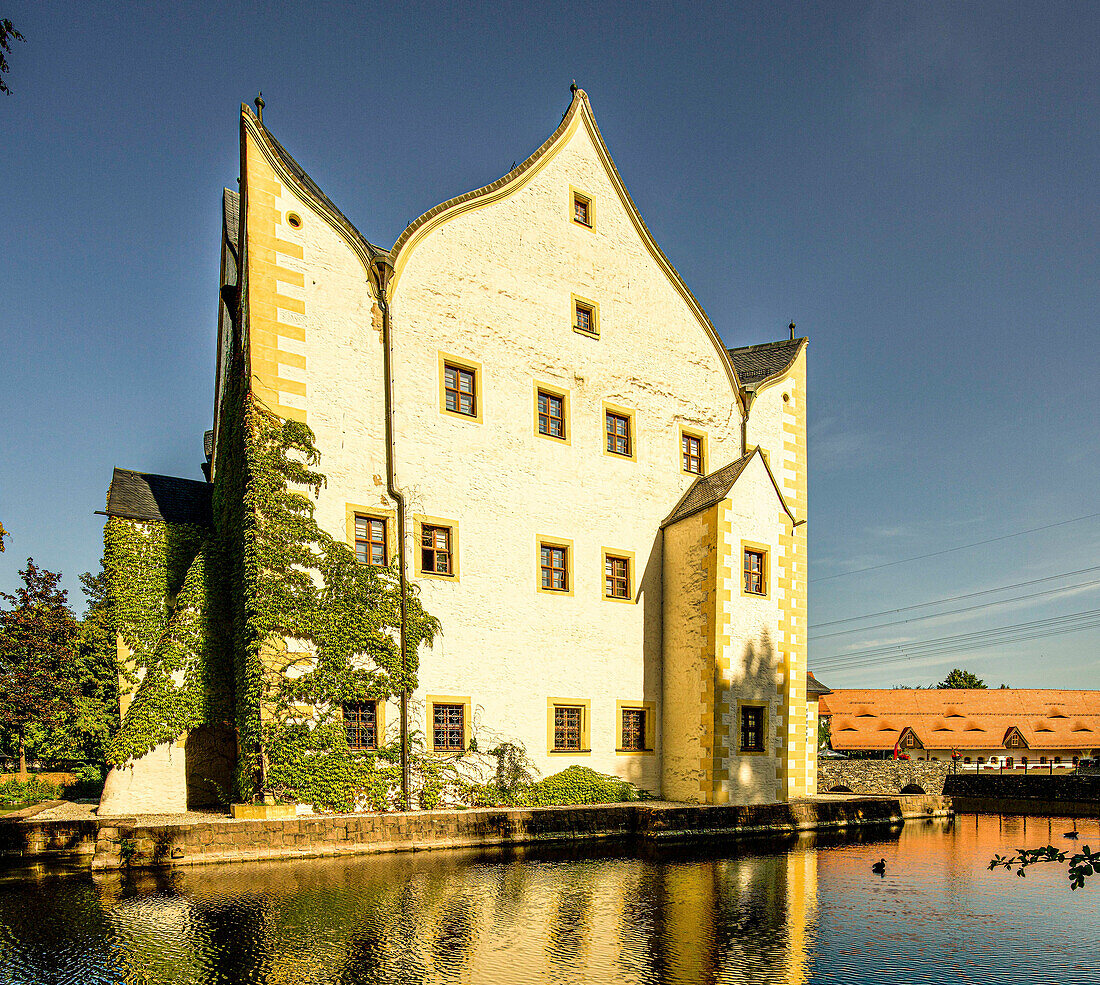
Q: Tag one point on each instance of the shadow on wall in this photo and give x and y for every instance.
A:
(650, 588)
(210, 757)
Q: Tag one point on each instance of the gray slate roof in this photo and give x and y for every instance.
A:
(814, 687)
(158, 498)
(755, 363)
(708, 490)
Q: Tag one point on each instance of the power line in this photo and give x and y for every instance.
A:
(961, 638)
(955, 612)
(949, 550)
(954, 598)
(948, 651)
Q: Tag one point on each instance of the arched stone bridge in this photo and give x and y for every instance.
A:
(880, 776)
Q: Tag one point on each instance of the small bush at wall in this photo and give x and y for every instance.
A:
(581, 785)
(29, 791)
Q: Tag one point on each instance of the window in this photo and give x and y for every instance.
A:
(618, 434)
(448, 728)
(1014, 740)
(616, 577)
(585, 321)
(361, 724)
(633, 736)
(435, 550)
(580, 209)
(568, 732)
(551, 414)
(909, 742)
(691, 447)
(752, 728)
(460, 390)
(370, 539)
(755, 574)
(554, 562)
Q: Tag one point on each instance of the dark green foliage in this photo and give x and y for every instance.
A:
(8, 33)
(1079, 866)
(38, 643)
(961, 679)
(14, 793)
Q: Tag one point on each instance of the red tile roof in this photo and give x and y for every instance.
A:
(864, 719)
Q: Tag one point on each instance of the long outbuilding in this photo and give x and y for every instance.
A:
(1006, 726)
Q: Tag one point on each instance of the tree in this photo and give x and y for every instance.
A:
(824, 733)
(961, 679)
(38, 643)
(8, 33)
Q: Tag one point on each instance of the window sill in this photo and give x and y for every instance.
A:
(569, 752)
(585, 332)
(636, 752)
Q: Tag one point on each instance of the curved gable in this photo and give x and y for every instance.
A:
(579, 114)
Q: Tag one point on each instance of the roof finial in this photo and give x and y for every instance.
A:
(791, 327)
(573, 87)
(259, 101)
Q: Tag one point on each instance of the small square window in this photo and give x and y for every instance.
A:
(551, 414)
(448, 728)
(435, 550)
(460, 390)
(618, 434)
(616, 577)
(691, 448)
(633, 730)
(554, 562)
(361, 724)
(582, 210)
(370, 540)
(568, 730)
(752, 729)
(585, 319)
(755, 573)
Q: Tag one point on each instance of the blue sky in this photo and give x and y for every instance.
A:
(914, 184)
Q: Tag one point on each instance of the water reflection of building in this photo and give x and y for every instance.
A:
(684, 917)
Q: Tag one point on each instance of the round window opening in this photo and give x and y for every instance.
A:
(786, 397)
(294, 219)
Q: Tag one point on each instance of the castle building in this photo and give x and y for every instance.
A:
(603, 505)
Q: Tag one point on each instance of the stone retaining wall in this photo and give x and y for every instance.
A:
(881, 776)
(119, 842)
(1036, 794)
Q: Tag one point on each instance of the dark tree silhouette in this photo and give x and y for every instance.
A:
(8, 33)
(38, 644)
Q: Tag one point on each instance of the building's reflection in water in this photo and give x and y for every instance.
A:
(562, 917)
(750, 912)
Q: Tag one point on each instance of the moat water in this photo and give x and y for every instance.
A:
(809, 910)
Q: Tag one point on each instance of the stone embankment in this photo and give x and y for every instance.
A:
(113, 843)
(1035, 795)
(881, 776)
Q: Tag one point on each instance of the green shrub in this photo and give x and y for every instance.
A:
(30, 791)
(581, 785)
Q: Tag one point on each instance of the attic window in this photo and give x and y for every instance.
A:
(294, 220)
(582, 209)
(1056, 712)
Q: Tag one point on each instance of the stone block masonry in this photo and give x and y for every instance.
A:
(880, 776)
(115, 843)
(1034, 795)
